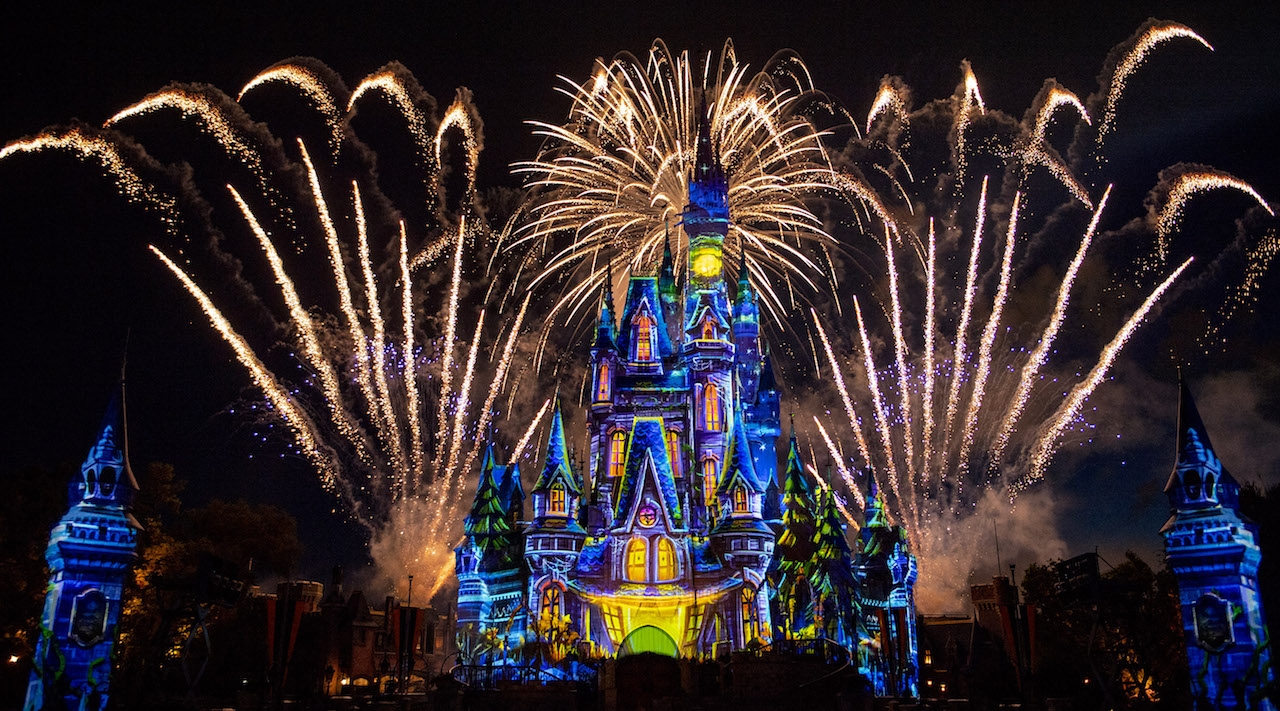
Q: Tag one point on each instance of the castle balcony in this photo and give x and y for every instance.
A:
(708, 354)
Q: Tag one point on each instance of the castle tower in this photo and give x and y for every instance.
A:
(554, 537)
(1213, 550)
(488, 562)
(90, 552)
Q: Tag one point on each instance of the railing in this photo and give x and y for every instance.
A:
(489, 676)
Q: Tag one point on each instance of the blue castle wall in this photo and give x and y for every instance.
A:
(90, 552)
(1213, 550)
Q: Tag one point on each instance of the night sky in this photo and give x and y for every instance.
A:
(77, 276)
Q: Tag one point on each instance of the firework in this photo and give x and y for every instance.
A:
(1133, 59)
(1186, 187)
(313, 88)
(609, 180)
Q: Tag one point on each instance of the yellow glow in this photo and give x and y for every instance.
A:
(706, 264)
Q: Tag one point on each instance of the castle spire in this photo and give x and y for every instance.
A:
(105, 476)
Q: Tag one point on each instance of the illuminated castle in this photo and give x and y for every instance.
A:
(1213, 550)
(679, 538)
(90, 552)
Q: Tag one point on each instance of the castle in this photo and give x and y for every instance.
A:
(91, 549)
(680, 538)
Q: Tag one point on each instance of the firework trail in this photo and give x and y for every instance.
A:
(1142, 47)
(356, 414)
(888, 99)
(1188, 186)
(88, 146)
(1046, 445)
(607, 182)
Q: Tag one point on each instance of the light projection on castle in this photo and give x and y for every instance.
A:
(676, 535)
(90, 552)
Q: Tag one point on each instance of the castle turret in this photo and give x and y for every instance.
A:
(1213, 550)
(90, 552)
(706, 223)
(669, 290)
(746, 334)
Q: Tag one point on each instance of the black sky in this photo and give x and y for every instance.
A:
(76, 276)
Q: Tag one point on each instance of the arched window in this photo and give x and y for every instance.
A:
(711, 407)
(602, 382)
(673, 451)
(617, 452)
(666, 560)
(551, 601)
(739, 499)
(555, 502)
(709, 481)
(644, 340)
(709, 329)
(637, 560)
(750, 615)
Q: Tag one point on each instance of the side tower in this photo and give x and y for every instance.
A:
(90, 552)
(1214, 553)
(488, 563)
(886, 572)
(554, 537)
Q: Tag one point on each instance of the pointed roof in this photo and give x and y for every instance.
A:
(558, 465)
(510, 490)
(112, 480)
(742, 468)
(647, 441)
(1189, 417)
(744, 280)
(642, 295)
(666, 270)
(1195, 452)
(605, 334)
(768, 382)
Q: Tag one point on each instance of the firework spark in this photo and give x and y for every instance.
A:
(1148, 41)
(1188, 186)
(614, 175)
(314, 88)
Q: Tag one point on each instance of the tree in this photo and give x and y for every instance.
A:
(1123, 635)
(28, 512)
(487, 526)
(178, 550)
(793, 552)
(830, 569)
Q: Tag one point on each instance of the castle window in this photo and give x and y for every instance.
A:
(613, 623)
(666, 560)
(637, 560)
(555, 502)
(709, 329)
(708, 481)
(739, 500)
(750, 615)
(551, 601)
(602, 382)
(617, 447)
(644, 340)
(711, 407)
(673, 451)
(695, 625)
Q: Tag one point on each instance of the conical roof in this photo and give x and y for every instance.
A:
(106, 476)
(558, 465)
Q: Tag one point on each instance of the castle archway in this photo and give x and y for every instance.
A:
(648, 639)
